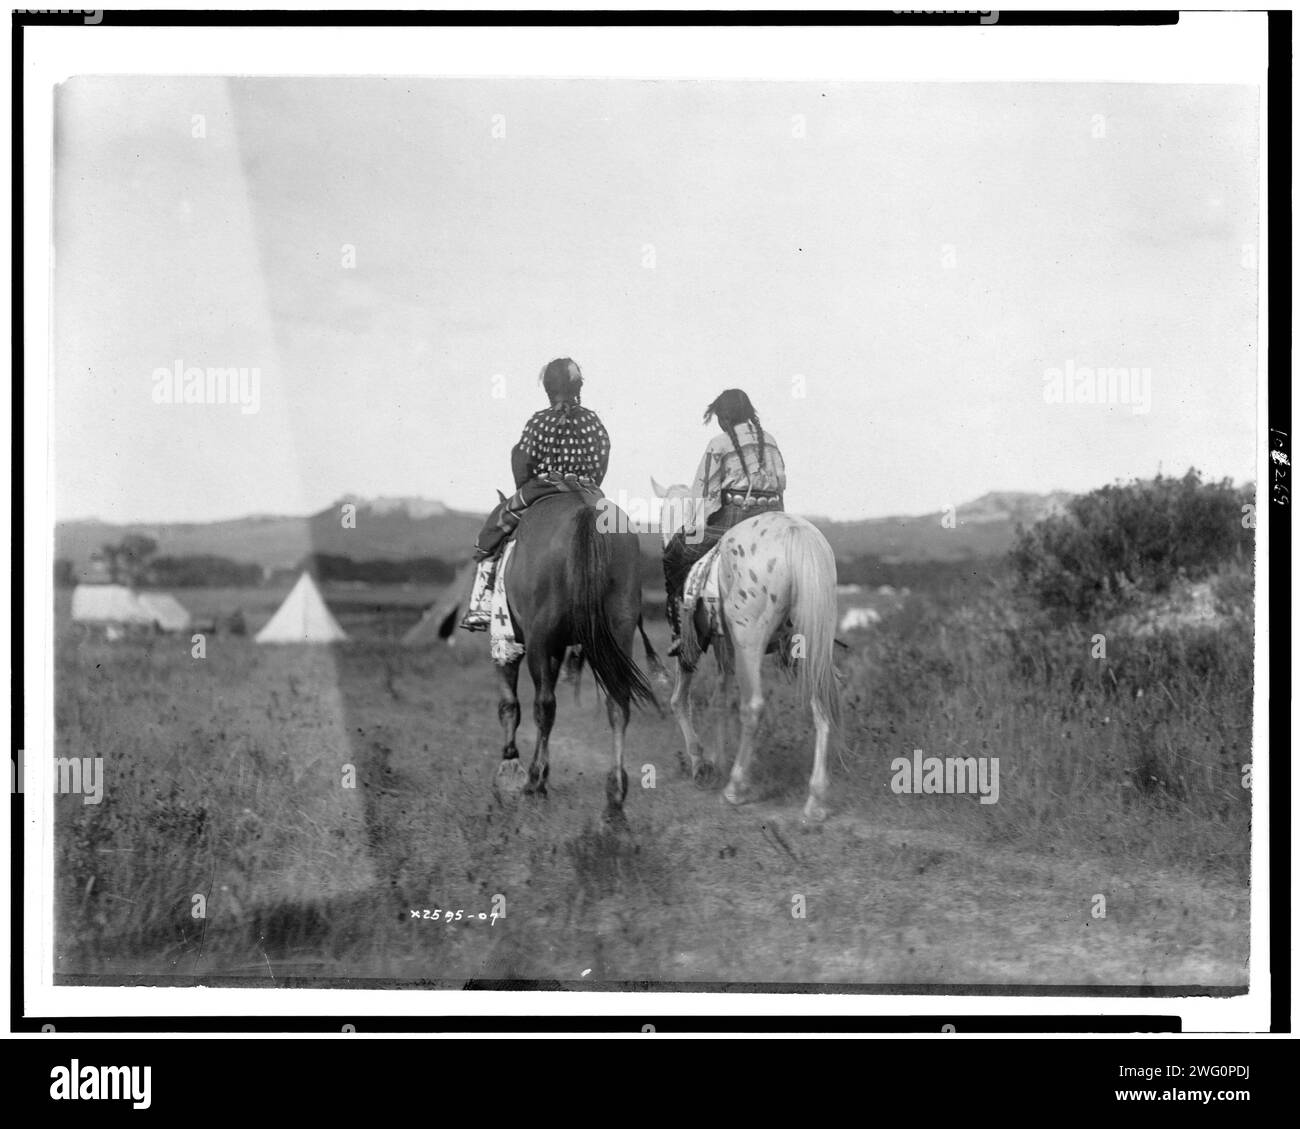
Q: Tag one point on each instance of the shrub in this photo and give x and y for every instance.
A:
(1140, 752)
(1123, 541)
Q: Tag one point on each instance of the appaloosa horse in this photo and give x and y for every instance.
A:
(776, 585)
(569, 583)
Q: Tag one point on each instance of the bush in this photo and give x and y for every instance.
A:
(1122, 541)
(1140, 752)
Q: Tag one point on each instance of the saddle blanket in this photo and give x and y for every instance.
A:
(506, 647)
(702, 584)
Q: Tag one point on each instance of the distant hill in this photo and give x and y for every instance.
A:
(386, 529)
(984, 527)
(399, 528)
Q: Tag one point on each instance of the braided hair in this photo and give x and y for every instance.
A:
(731, 408)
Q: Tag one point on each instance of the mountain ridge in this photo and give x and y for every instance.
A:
(397, 527)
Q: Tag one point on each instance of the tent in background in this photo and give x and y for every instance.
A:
(109, 605)
(859, 618)
(302, 618)
(167, 611)
(439, 621)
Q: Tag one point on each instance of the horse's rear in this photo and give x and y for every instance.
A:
(776, 581)
(572, 583)
(778, 570)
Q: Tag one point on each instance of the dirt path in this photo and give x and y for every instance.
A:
(699, 890)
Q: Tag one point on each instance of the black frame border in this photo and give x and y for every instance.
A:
(1278, 144)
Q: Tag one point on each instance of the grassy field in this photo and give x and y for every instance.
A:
(284, 814)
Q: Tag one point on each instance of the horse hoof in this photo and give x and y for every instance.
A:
(814, 811)
(511, 778)
(615, 790)
(704, 774)
(737, 796)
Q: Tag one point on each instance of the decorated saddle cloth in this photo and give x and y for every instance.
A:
(506, 646)
(701, 586)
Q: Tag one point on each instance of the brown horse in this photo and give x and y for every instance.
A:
(570, 584)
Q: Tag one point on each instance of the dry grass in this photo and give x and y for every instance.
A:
(226, 780)
(1138, 754)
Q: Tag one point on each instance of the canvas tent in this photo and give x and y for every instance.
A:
(168, 613)
(302, 618)
(439, 621)
(109, 605)
(858, 618)
(115, 606)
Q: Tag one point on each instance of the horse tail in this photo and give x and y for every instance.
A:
(652, 660)
(812, 614)
(589, 565)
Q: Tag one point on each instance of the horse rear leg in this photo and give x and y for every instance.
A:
(725, 700)
(510, 777)
(616, 782)
(544, 666)
(815, 809)
(619, 710)
(749, 666)
(508, 706)
(683, 710)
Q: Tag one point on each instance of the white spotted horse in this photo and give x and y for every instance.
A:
(571, 584)
(776, 590)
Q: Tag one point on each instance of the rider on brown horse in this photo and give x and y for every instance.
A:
(741, 475)
(563, 448)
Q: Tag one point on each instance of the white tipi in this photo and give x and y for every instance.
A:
(302, 618)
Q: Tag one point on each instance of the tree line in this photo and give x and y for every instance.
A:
(134, 561)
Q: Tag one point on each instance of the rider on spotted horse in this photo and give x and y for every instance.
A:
(563, 448)
(741, 475)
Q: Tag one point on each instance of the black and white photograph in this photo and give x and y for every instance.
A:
(529, 528)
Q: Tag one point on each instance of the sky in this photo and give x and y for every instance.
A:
(894, 272)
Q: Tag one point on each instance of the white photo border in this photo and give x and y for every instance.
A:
(1203, 48)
